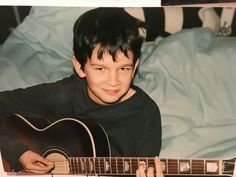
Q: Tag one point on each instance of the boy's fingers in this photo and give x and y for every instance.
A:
(46, 162)
(158, 165)
(140, 172)
(150, 172)
(137, 173)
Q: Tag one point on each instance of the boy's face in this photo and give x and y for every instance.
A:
(108, 81)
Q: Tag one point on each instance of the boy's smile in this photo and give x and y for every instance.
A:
(108, 81)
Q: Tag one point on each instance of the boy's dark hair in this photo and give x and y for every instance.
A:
(112, 28)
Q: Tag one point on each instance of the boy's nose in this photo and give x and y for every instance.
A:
(113, 78)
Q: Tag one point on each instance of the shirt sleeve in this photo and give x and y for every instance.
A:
(44, 101)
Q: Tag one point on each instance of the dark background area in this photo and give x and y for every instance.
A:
(182, 2)
(10, 17)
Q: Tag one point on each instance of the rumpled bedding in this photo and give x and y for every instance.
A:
(190, 75)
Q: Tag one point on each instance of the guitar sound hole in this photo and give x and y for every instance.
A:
(60, 162)
(60, 159)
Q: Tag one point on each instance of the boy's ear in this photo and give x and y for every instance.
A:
(77, 67)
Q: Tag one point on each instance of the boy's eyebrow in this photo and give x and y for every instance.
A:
(124, 65)
(96, 64)
(130, 64)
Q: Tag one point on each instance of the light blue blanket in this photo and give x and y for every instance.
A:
(190, 75)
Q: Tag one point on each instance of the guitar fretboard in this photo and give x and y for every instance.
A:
(128, 166)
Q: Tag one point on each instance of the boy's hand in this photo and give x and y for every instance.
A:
(34, 163)
(150, 171)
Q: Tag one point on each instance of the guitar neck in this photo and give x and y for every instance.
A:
(128, 166)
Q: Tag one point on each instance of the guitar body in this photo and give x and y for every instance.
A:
(67, 137)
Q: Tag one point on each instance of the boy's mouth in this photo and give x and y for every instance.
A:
(111, 91)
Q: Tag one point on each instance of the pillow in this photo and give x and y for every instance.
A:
(169, 20)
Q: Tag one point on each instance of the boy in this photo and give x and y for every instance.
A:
(106, 48)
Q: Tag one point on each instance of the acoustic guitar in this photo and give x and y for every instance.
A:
(57, 142)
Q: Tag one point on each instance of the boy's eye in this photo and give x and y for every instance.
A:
(125, 69)
(99, 68)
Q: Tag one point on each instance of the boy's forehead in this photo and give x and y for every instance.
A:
(105, 53)
(106, 58)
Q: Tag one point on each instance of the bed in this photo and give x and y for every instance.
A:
(188, 70)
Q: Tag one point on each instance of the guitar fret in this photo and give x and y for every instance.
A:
(167, 167)
(135, 164)
(228, 166)
(113, 164)
(131, 164)
(69, 160)
(116, 166)
(123, 165)
(99, 162)
(97, 166)
(164, 166)
(87, 162)
(120, 166)
(87, 165)
(84, 164)
(87, 171)
(126, 165)
(198, 167)
(75, 166)
(91, 165)
(191, 166)
(212, 167)
(70, 164)
(107, 166)
(80, 165)
(110, 165)
(172, 166)
(184, 167)
(204, 166)
(94, 166)
(178, 166)
(102, 165)
(143, 162)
